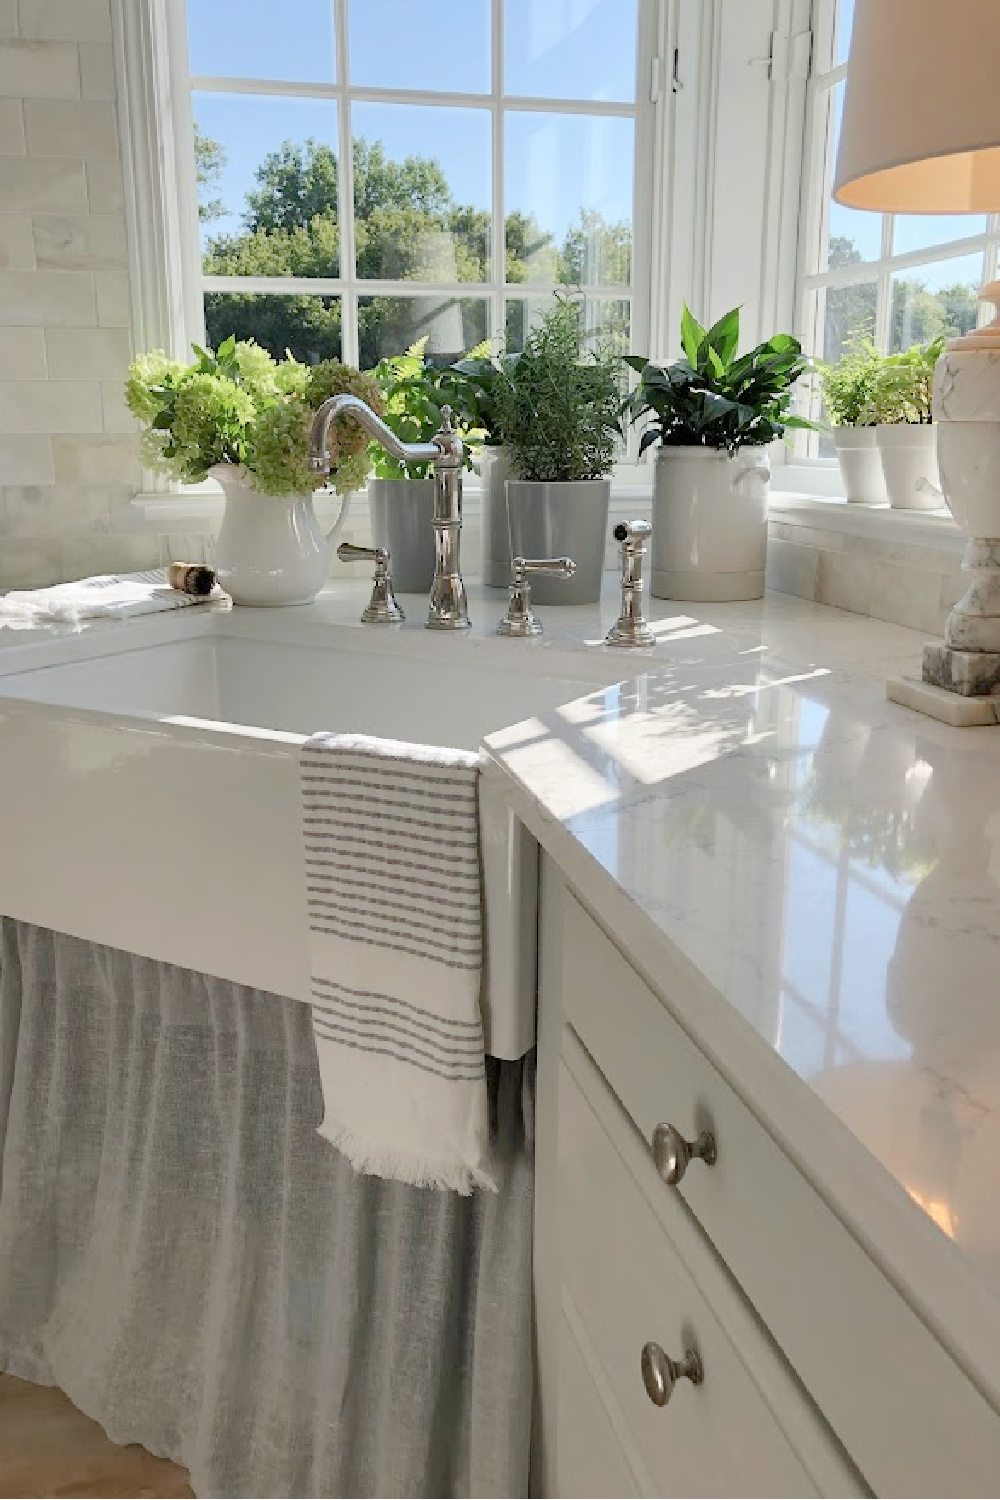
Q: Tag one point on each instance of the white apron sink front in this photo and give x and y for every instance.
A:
(149, 780)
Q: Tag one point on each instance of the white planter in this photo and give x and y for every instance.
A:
(561, 519)
(709, 524)
(271, 548)
(494, 471)
(860, 465)
(909, 463)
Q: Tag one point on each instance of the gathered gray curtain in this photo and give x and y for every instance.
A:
(203, 1274)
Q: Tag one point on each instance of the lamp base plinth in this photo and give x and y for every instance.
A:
(943, 704)
(973, 674)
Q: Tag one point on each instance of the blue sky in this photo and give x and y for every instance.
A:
(555, 163)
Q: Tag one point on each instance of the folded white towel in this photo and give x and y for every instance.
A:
(111, 595)
(395, 936)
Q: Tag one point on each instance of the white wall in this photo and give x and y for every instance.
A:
(68, 448)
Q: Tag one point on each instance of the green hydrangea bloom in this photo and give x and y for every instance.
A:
(210, 419)
(278, 449)
(349, 446)
(256, 370)
(147, 375)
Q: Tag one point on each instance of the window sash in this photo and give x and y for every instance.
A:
(494, 290)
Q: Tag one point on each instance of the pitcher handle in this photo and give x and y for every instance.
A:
(759, 466)
(338, 525)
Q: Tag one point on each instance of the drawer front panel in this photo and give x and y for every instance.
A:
(829, 1307)
(589, 1460)
(716, 1438)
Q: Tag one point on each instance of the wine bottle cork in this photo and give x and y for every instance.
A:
(191, 578)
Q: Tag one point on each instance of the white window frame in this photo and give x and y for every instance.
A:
(158, 143)
(812, 473)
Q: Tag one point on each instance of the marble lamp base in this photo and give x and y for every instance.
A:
(961, 688)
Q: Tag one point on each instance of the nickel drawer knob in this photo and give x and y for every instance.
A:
(672, 1153)
(660, 1373)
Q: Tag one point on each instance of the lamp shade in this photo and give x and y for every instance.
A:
(921, 123)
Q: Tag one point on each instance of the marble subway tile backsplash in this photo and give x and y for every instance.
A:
(69, 456)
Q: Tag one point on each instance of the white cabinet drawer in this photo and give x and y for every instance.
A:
(719, 1438)
(828, 1306)
(589, 1460)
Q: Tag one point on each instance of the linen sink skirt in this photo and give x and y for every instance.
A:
(199, 1271)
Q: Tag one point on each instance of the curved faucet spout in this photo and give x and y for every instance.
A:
(346, 404)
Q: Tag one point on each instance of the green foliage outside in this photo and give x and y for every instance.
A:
(407, 227)
(714, 397)
(558, 405)
(240, 406)
(918, 314)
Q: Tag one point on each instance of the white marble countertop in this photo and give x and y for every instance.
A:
(813, 876)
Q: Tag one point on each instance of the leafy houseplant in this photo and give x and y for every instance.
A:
(710, 497)
(243, 418)
(900, 406)
(559, 406)
(848, 391)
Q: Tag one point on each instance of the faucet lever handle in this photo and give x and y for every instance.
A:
(520, 619)
(382, 608)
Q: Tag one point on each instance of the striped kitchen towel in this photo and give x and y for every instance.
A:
(116, 596)
(394, 893)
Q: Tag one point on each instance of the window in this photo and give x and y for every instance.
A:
(903, 279)
(371, 172)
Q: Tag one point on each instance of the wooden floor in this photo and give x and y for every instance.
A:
(49, 1448)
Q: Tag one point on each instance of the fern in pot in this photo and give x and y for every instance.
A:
(713, 414)
(848, 389)
(243, 418)
(401, 497)
(900, 406)
(560, 411)
(472, 385)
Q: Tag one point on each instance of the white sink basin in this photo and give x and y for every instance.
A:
(149, 780)
(298, 688)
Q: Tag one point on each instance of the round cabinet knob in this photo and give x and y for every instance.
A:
(672, 1153)
(660, 1373)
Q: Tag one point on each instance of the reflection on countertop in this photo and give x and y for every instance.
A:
(828, 862)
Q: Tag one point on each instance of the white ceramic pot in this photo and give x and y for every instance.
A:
(910, 466)
(709, 524)
(860, 465)
(494, 471)
(271, 549)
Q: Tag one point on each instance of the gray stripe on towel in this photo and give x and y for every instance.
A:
(316, 822)
(351, 860)
(467, 1050)
(452, 1075)
(386, 912)
(332, 930)
(418, 1010)
(454, 944)
(349, 883)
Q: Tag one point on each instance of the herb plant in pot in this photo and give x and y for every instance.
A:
(907, 438)
(848, 388)
(560, 411)
(713, 414)
(243, 418)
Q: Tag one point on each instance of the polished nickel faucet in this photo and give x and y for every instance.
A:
(448, 607)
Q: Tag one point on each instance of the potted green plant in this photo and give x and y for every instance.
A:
(900, 405)
(848, 388)
(243, 418)
(472, 385)
(560, 411)
(401, 497)
(713, 413)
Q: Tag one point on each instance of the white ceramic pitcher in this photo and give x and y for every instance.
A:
(271, 549)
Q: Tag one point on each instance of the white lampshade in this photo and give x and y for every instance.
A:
(921, 125)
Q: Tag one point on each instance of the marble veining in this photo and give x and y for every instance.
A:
(828, 862)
